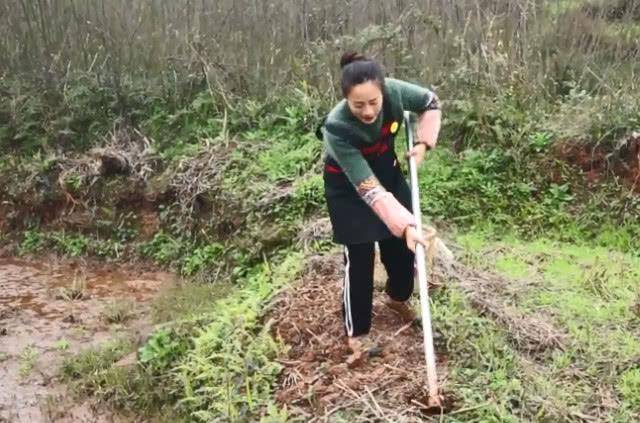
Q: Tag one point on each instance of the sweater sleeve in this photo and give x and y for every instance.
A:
(414, 98)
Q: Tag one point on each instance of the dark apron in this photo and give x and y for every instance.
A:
(352, 219)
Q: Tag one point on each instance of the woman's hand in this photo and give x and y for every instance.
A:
(418, 151)
(412, 237)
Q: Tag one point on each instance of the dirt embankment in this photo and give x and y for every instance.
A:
(598, 163)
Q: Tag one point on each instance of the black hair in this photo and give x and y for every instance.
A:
(357, 69)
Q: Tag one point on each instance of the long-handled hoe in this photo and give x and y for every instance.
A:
(434, 399)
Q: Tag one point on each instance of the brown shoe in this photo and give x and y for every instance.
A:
(403, 308)
(362, 347)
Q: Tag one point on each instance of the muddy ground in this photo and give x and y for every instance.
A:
(50, 309)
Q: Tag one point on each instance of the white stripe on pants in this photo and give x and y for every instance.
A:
(346, 296)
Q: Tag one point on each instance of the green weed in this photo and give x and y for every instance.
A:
(162, 349)
(90, 362)
(230, 370)
(74, 245)
(27, 360)
(117, 311)
(629, 387)
(202, 258)
(163, 248)
(62, 345)
(33, 242)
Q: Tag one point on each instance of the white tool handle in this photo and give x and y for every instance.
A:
(429, 353)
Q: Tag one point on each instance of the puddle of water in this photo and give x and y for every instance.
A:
(36, 313)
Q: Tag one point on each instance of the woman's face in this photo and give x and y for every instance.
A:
(365, 101)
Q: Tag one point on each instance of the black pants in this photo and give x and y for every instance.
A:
(357, 294)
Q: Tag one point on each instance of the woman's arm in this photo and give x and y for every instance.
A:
(426, 104)
(429, 127)
(427, 134)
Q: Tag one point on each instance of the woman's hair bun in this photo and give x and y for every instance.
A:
(351, 57)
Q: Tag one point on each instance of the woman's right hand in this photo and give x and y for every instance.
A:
(412, 237)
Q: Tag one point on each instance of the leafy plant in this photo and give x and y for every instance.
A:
(33, 241)
(201, 258)
(161, 349)
(62, 345)
(163, 248)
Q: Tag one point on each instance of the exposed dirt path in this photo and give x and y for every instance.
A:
(317, 383)
(51, 309)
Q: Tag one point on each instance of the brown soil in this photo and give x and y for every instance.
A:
(37, 312)
(317, 383)
(597, 163)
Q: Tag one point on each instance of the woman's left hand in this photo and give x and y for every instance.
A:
(418, 152)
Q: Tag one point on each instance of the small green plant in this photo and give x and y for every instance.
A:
(74, 182)
(201, 258)
(62, 345)
(28, 358)
(275, 414)
(74, 245)
(161, 349)
(76, 290)
(163, 248)
(33, 241)
(108, 248)
(539, 141)
(117, 311)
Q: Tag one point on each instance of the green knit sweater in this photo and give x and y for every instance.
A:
(401, 94)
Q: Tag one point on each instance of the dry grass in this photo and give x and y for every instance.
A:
(495, 297)
(253, 46)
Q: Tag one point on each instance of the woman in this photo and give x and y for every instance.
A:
(367, 196)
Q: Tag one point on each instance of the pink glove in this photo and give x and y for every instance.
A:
(392, 213)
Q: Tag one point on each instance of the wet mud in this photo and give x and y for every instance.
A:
(51, 309)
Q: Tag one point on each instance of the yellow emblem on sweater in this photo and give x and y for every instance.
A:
(394, 127)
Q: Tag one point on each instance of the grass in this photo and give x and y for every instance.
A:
(117, 311)
(93, 360)
(187, 300)
(76, 289)
(212, 357)
(587, 291)
(27, 359)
